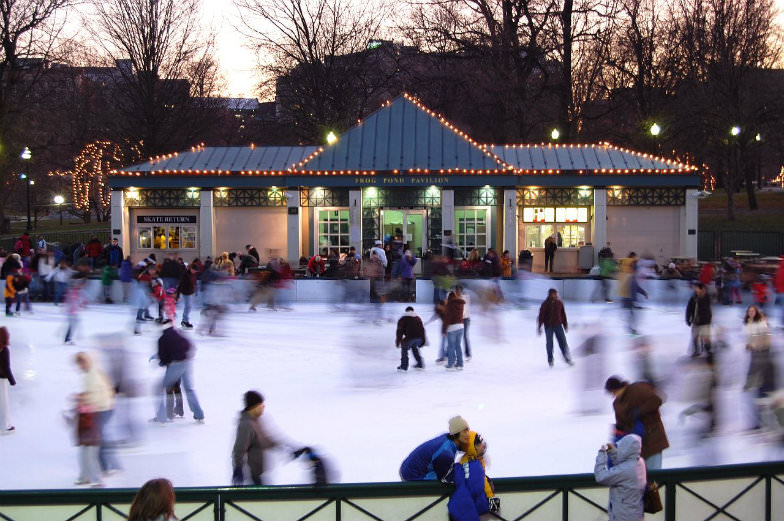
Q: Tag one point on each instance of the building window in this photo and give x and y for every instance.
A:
(333, 229)
(567, 223)
(167, 237)
(471, 227)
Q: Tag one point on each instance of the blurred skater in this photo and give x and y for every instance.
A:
(251, 442)
(6, 380)
(636, 409)
(98, 396)
(175, 354)
(75, 300)
(699, 316)
(552, 316)
(410, 335)
(761, 374)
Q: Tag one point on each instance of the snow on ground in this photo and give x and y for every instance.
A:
(329, 380)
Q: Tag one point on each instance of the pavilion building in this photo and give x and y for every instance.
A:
(405, 169)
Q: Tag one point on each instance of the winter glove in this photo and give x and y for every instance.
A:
(299, 452)
(494, 504)
(236, 478)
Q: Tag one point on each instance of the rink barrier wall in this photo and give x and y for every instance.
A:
(533, 289)
(749, 492)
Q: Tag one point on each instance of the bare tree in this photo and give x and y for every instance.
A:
(28, 30)
(725, 46)
(319, 57)
(163, 58)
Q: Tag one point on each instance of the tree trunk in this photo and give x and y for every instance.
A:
(749, 175)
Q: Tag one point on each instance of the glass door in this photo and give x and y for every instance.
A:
(412, 226)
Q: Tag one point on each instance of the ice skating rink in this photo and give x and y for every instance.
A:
(330, 382)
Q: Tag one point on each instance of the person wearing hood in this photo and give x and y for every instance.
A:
(474, 492)
(379, 249)
(407, 263)
(621, 468)
(433, 460)
(410, 335)
(251, 442)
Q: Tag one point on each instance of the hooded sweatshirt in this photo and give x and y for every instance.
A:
(623, 470)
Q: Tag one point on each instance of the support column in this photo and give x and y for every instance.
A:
(599, 221)
(447, 220)
(206, 225)
(510, 223)
(689, 225)
(120, 220)
(293, 228)
(355, 219)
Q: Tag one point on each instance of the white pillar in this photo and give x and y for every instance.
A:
(293, 228)
(120, 221)
(599, 221)
(689, 225)
(447, 217)
(355, 219)
(206, 225)
(510, 223)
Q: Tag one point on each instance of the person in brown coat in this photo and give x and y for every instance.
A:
(552, 316)
(453, 331)
(637, 410)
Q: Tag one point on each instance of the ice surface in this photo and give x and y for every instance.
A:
(329, 381)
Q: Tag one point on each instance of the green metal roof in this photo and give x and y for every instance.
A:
(403, 136)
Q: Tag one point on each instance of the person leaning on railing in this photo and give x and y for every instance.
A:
(153, 502)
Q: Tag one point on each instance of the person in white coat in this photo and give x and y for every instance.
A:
(621, 468)
(6, 379)
(99, 397)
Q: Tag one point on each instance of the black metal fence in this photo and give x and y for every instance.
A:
(713, 245)
(60, 239)
(753, 492)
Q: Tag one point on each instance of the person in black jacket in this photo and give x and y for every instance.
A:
(6, 379)
(186, 287)
(410, 335)
(699, 317)
(174, 352)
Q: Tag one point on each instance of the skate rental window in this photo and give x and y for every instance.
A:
(567, 223)
(333, 229)
(166, 237)
(471, 225)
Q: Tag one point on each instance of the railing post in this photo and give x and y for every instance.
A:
(565, 505)
(669, 501)
(218, 509)
(337, 509)
(98, 512)
(768, 499)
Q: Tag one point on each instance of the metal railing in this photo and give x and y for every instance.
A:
(753, 492)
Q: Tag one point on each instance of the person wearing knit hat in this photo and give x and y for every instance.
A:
(434, 458)
(636, 409)
(251, 442)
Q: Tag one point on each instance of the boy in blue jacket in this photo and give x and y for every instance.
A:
(434, 458)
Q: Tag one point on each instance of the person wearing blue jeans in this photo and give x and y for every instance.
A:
(174, 353)
(552, 317)
(453, 330)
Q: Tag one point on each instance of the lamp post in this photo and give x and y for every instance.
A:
(59, 200)
(655, 130)
(27, 155)
(555, 134)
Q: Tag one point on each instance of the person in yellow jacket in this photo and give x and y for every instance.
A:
(476, 449)
(9, 292)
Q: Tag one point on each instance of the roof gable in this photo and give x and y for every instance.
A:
(403, 136)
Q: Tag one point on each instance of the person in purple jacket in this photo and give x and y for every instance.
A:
(407, 264)
(174, 353)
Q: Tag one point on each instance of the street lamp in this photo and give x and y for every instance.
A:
(27, 155)
(59, 200)
(655, 129)
(555, 134)
(331, 137)
(735, 131)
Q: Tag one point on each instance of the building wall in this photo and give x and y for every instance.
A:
(644, 229)
(265, 228)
